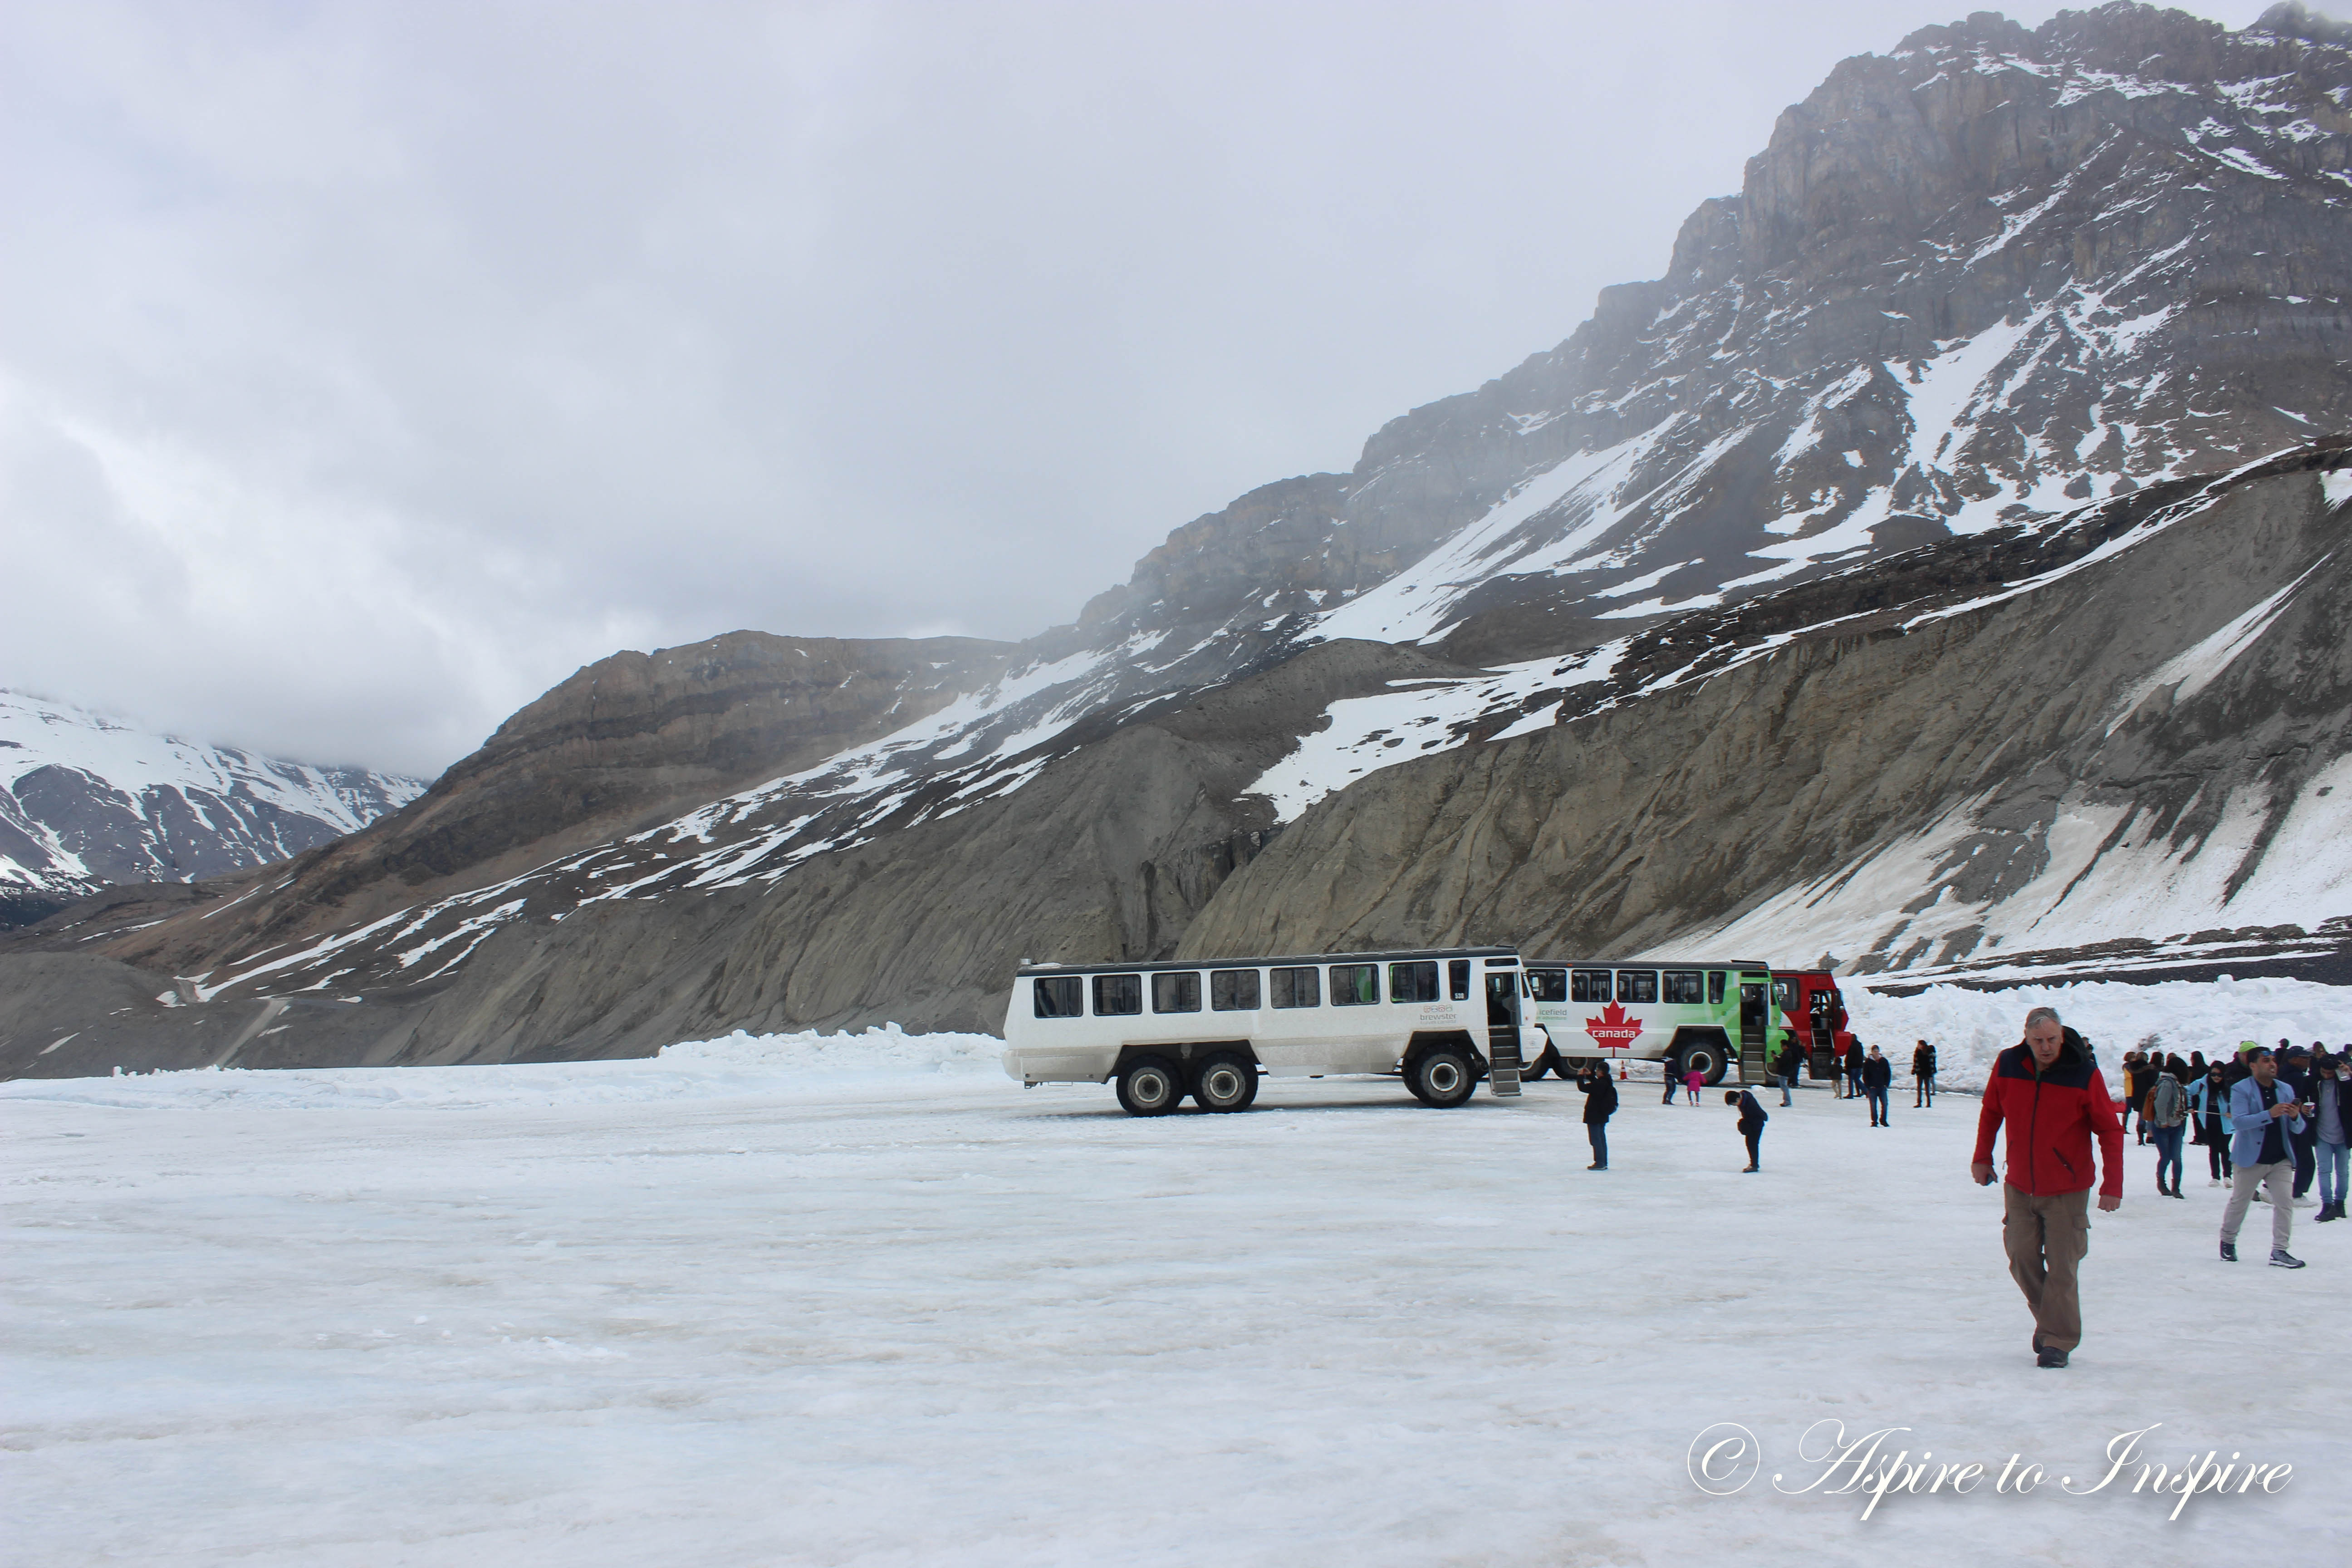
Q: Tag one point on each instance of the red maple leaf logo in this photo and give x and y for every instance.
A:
(1613, 1031)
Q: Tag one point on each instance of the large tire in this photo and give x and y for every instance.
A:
(1546, 1060)
(1704, 1054)
(1226, 1080)
(1151, 1085)
(1443, 1077)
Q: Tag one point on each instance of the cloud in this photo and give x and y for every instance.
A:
(365, 369)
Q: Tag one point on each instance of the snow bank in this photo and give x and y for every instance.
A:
(1968, 1028)
(888, 1049)
(738, 1065)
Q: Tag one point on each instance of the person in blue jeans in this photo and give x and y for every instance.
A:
(2162, 1113)
(2335, 1092)
(1877, 1075)
(2209, 1100)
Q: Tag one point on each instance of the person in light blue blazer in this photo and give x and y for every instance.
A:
(2266, 1117)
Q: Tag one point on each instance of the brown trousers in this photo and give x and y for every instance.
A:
(2046, 1238)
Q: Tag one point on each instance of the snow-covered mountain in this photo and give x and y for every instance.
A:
(1993, 343)
(85, 801)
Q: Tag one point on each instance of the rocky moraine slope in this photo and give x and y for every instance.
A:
(1939, 571)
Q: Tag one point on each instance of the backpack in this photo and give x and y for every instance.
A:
(2166, 1103)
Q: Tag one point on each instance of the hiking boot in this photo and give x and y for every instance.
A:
(2229, 1252)
(2050, 1355)
(1748, 1170)
(2326, 1212)
(2179, 1194)
(2282, 1258)
(1596, 1166)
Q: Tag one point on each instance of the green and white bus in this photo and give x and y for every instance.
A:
(1685, 1013)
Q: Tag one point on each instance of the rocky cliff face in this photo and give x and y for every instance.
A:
(1994, 320)
(85, 801)
(2140, 749)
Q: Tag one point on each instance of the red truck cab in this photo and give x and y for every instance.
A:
(1808, 1000)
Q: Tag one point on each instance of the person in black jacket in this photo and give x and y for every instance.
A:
(2296, 1072)
(1853, 1069)
(1599, 1104)
(1877, 1076)
(1922, 1076)
(1751, 1126)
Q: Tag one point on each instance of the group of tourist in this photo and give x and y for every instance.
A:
(1860, 1073)
(2172, 1097)
(2273, 1121)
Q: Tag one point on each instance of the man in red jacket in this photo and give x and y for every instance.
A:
(2049, 1091)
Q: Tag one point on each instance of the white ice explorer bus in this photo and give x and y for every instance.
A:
(1685, 1013)
(1440, 1019)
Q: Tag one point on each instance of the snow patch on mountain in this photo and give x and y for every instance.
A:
(87, 800)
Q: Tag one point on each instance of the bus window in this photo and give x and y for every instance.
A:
(1547, 985)
(1588, 986)
(1457, 979)
(1415, 981)
(1715, 988)
(1060, 997)
(1685, 986)
(1355, 984)
(1232, 990)
(1637, 986)
(1295, 987)
(1179, 993)
(1118, 995)
(1780, 995)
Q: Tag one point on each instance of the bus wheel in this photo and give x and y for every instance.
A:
(1547, 1062)
(1225, 1082)
(1442, 1079)
(1150, 1087)
(1706, 1059)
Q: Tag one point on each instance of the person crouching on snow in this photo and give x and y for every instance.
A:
(1751, 1126)
(2048, 1090)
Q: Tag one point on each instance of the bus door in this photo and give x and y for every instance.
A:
(1503, 1032)
(1819, 1010)
(1755, 1029)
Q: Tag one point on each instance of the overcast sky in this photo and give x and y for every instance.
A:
(364, 370)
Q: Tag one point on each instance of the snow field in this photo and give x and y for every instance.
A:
(782, 1300)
